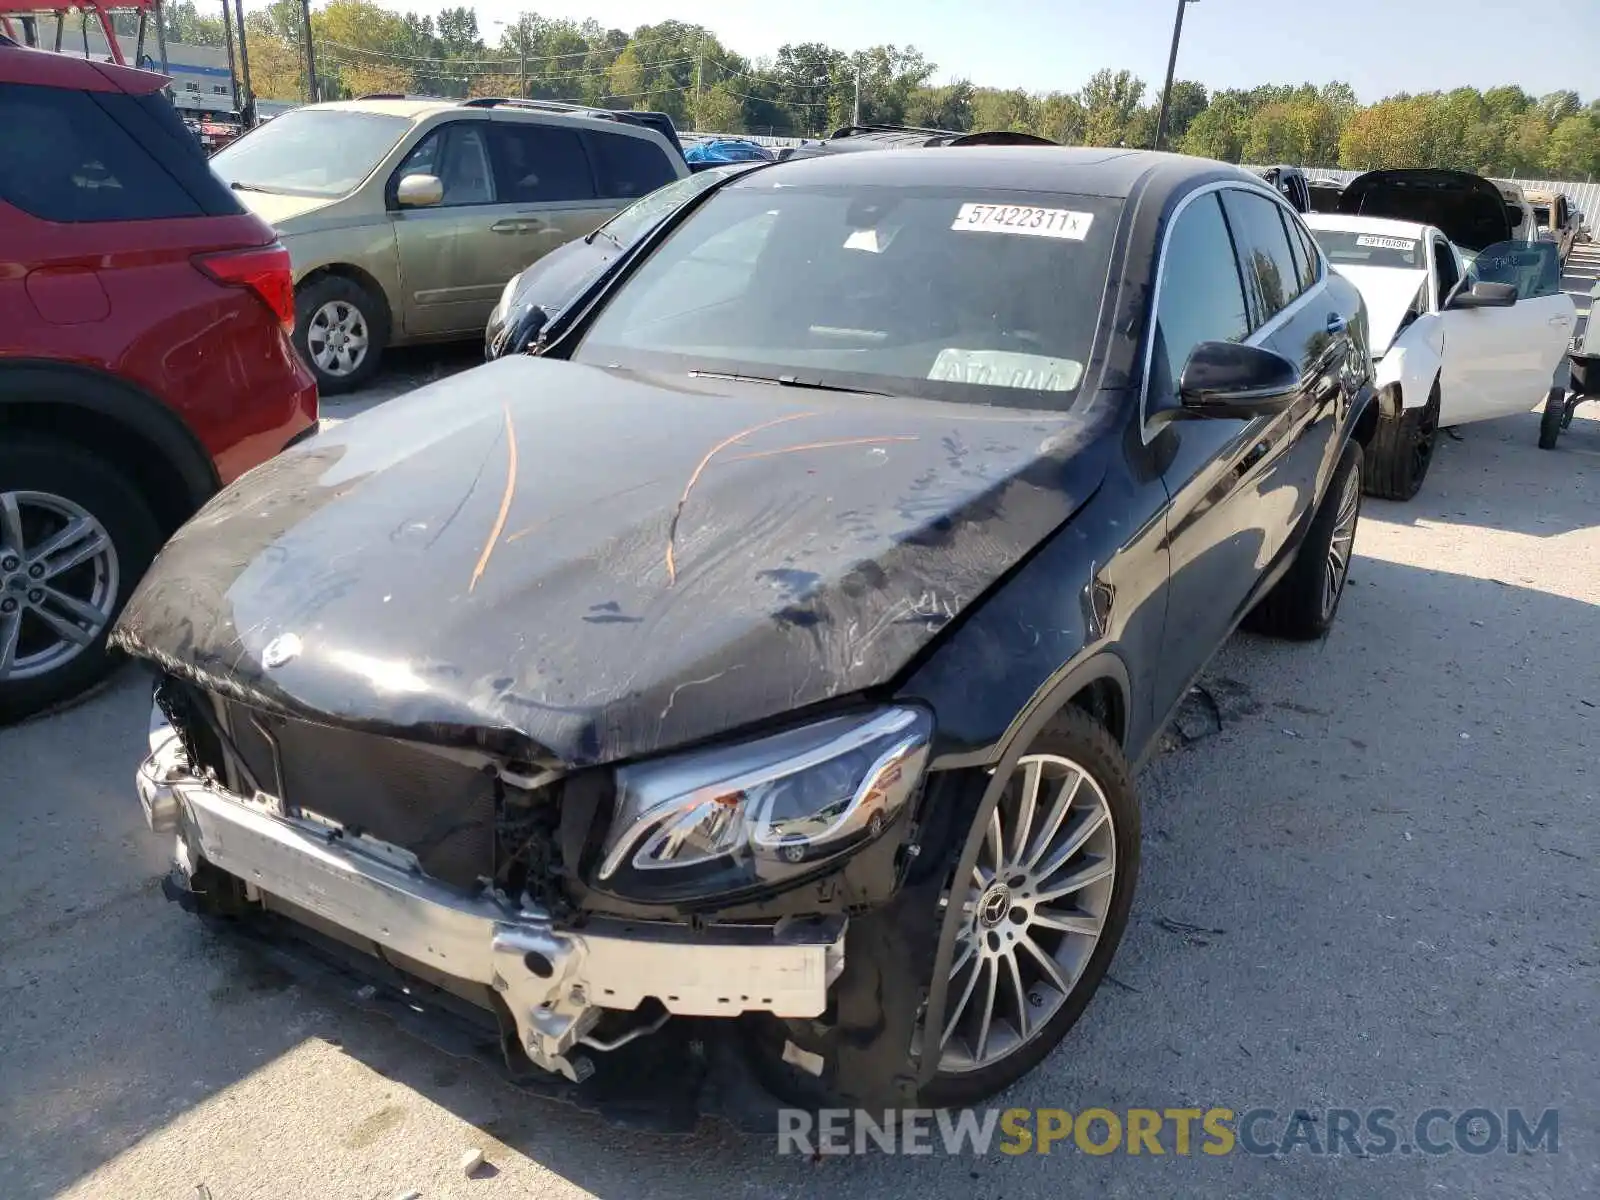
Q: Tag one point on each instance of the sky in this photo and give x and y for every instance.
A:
(1379, 47)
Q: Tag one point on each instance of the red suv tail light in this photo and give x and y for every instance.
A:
(262, 269)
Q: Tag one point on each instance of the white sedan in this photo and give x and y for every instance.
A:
(1457, 335)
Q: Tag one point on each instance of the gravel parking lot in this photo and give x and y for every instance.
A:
(1370, 879)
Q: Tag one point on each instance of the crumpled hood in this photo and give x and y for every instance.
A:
(1388, 292)
(582, 565)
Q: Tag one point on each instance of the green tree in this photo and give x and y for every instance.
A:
(1573, 148)
(1189, 100)
(1558, 106)
(1110, 99)
(1015, 110)
(186, 26)
(1220, 131)
(948, 107)
(718, 110)
(1061, 119)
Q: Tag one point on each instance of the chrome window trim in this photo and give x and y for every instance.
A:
(1146, 434)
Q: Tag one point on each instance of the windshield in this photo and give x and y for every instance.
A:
(310, 152)
(1541, 214)
(1348, 249)
(633, 222)
(970, 294)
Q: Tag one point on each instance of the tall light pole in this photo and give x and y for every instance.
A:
(247, 110)
(313, 89)
(522, 54)
(1172, 65)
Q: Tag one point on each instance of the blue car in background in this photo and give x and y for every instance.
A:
(716, 151)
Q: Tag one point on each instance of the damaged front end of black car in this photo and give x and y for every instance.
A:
(735, 700)
(603, 770)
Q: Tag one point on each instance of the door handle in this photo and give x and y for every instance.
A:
(1561, 321)
(517, 225)
(1336, 323)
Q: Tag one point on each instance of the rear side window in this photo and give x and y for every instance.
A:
(629, 166)
(75, 156)
(1265, 261)
(540, 164)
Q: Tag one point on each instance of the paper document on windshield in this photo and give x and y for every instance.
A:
(1023, 219)
(1006, 368)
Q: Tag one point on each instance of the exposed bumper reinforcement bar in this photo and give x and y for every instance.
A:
(555, 982)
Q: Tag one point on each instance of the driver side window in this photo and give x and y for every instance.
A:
(1534, 268)
(1201, 297)
(461, 163)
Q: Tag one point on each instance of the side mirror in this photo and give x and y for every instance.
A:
(522, 329)
(420, 191)
(1226, 379)
(1484, 295)
(1514, 215)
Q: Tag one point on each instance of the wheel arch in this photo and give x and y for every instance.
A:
(364, 279)
(1099, 678)
(118, 421)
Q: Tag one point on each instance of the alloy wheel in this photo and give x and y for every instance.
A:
(1342, 542)
(1427, 437)
(58, 582)
(1034, 911)
(337, 337)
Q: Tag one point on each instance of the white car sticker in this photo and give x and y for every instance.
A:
(1385, 243)
(1028, 221)
(1006, 368)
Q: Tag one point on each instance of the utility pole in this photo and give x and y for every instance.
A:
(697, 62)
(248, 111)
(227, 36)
(313, 91)
(161, 36)
(855, 118)
(1172, 65)
(522, 50)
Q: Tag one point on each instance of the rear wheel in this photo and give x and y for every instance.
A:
(75, 536)
(341, 330)
(1397, 462)
(1553, 420)
(1043, 911)
(1302, 605)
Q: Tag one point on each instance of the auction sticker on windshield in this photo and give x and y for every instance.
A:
(1375, 242)
(1023, 219)
(1006, 368)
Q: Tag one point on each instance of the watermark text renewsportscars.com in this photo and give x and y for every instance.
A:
(1215, 1132)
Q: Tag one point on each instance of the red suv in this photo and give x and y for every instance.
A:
(144, 354)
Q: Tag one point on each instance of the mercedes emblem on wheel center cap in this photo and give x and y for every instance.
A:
(280, 650)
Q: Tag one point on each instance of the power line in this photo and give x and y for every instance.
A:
(459, 61)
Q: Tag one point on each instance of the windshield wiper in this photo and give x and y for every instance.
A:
(785, 381)
(610, 237)
(248, 187)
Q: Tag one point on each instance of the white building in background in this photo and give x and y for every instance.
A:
(200, 78)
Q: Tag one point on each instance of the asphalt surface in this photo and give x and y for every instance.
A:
(1370, 879)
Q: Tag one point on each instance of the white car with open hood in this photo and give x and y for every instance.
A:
(1468, 322)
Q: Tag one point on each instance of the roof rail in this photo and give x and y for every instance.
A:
(540, 105)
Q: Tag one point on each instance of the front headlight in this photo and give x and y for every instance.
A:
(731, 818)
(503, 305)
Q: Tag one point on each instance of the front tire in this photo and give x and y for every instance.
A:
(1397, 462)
(1553, 420)
(341, 330)
(1041, 918)
(1302, 605)
(75, 536)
